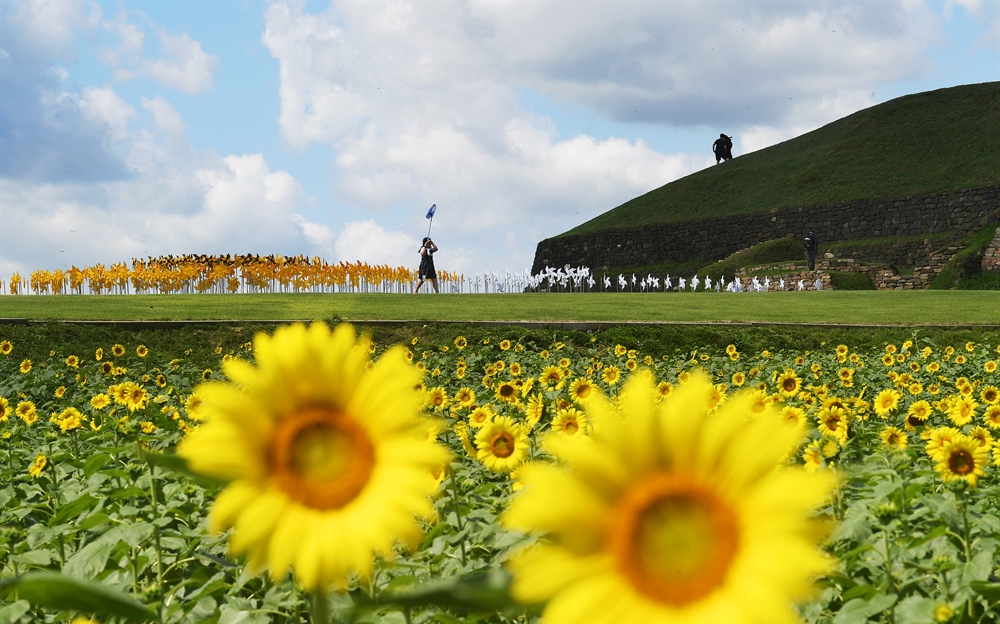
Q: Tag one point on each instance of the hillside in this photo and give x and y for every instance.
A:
(928, 142)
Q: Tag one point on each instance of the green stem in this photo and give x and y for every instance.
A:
(156, 533)
(458, 513)
(320, 608)
(888, 562)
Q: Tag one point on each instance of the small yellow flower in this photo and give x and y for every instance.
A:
(37, 466)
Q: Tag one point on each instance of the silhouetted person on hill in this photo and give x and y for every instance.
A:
(723, 148)
(812, 244)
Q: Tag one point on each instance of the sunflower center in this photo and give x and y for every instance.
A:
(502, 444)
(321, 458)
(571, 426)
(960, 462)
(506, 390)
(788, 385)
(674, 538)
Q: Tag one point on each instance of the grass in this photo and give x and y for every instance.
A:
(923, 143)
(771, 252)
(880, 307)
(848, 280)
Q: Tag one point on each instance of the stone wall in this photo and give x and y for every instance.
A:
(991, 257)
(715, 238)
(898, 254)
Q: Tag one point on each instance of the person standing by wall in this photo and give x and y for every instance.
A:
(427, 271)
(812, 244)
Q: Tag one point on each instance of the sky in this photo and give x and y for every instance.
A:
(133, 129)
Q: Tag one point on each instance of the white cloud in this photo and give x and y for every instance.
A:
(183, 64)
(103, 105)
(420, 99)
(367, 241)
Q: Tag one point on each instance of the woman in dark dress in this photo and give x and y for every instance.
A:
(427, 272)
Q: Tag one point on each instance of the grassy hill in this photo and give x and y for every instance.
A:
(929, 142)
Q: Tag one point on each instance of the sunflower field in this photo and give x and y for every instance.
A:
(316, 475)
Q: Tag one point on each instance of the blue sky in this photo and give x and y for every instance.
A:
(145, 128)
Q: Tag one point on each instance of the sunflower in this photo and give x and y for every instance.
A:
(6, 347)
(69, 419)
(25, 366)
(962, 411)
(570, 421)
(550, 375)
(141, 351)
(620, 350)
(73, 361)
(461, 342)
(992, 417)
(888, 360)
(990, 395)
(534, 409)
(37, 466)
(100, 401)
(917, 414)
(436, 398)
(515, 369)
(982, 435)
(611, 375)
(789, 383)
(506, 392)
(5, 409)
(60, 391)
(502, 444)
(480, 416)
(842, 350)
(206, 374)
(465, 397)
(504, 345)
(833, 422)
(118, 350)
(893, 438)
(812, 457)
(99, 354)
(27, 412)
(887, 401)
(794, 417)
(937, 438)
(962, 458)
(581, 390)
(648, 524)
(739, 378)
(462, 431)
(990, 366)
(329, 461)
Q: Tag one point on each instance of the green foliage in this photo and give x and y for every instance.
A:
(956, 269)
(981, 281)
(849, 280)
(114, 521)
(910, 145)
(778, 250)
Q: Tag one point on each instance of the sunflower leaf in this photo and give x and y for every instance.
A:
(56, 591)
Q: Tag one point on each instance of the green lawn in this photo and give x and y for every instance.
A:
(836, 307)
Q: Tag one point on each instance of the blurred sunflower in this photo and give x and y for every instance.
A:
(5, 409)
(461, 342)
(480, 416)
(141, 351)
(25, 366)
(917, 414)
(118, 350)
(328, 461)
(27, 412)
(990, 395)
(992, 417)
(72, 361)
(650, 524)
(6, 347)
